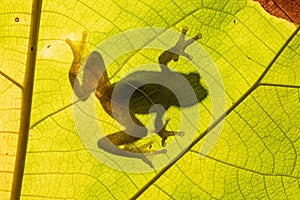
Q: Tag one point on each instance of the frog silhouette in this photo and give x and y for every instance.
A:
(141, 92)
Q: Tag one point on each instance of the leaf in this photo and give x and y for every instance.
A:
(257, 55)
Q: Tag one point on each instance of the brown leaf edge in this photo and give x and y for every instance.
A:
(285, 9)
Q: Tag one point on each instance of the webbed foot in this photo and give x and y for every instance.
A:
(178, 50)
(182, 44)
(164, 134)
(145, 152)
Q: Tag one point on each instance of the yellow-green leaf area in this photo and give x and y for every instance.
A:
(14, 23)
(256, 155)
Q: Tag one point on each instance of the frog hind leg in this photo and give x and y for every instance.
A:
(107, 145)
(123, 115)
(111, 142)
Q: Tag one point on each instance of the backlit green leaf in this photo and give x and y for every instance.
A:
(257, 55)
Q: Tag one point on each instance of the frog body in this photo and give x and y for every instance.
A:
(138, 93)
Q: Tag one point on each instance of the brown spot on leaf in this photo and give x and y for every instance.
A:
(17, 19)
(286, 9)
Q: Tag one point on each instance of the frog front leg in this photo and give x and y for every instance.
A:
(173, 53)
(160, 127)
(167, 56)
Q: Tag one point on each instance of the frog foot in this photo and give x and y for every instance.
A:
(144, 152)
(80, 52)
(182, 44)
(148, 157)
(164, 134)
(130, 150)
(178, 50)
(146, 148)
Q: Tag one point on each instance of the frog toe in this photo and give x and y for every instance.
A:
(180, 134)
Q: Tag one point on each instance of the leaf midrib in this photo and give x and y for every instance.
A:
(26, 100)
(220, 119)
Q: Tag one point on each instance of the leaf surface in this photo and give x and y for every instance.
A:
(258, 57)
